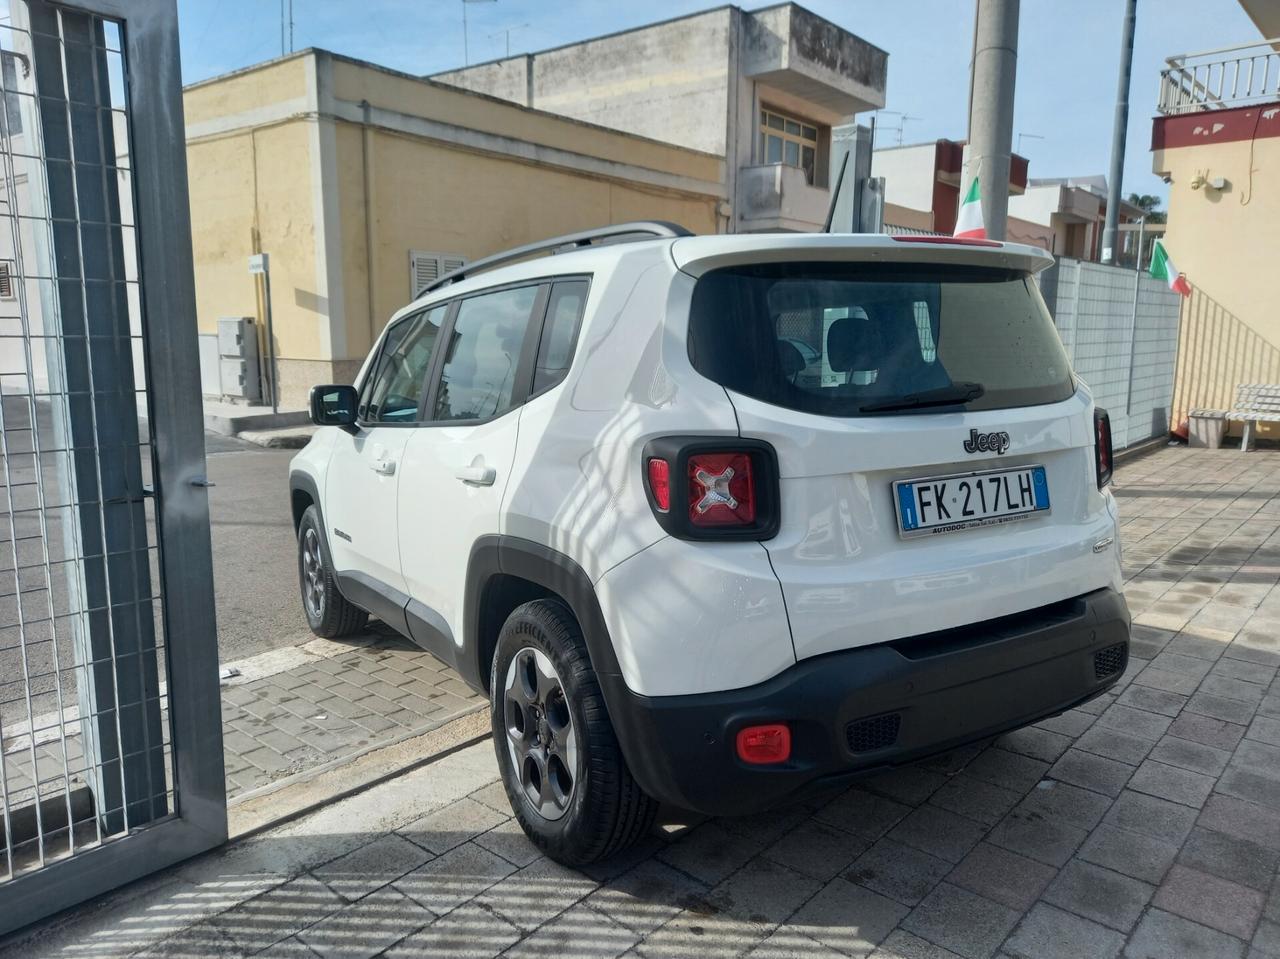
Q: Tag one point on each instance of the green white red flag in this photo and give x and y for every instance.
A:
(969, 218)
(1162, 268)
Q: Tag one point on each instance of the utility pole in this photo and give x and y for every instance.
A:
(994, 72)
(1118, 132)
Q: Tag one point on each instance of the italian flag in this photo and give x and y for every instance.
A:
(1162, 268)
(969, 219)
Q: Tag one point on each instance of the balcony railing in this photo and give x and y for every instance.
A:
(1216, 79)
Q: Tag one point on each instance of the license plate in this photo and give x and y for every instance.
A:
(945, 504)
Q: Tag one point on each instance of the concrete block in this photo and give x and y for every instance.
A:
(367, 928)
(1210, 900)
(1130, 853)
(817, 850)
(1170, 782)
(1099, 894)
(961, 921)
(848, 918)
(897, 871)
(1049, 933)
(1002, 876)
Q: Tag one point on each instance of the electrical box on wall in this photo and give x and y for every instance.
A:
(238, 369)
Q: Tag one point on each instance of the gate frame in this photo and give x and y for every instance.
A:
(157, 133)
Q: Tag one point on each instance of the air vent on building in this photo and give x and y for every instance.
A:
(6, 279)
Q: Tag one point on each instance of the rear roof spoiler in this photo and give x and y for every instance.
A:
(698, 254)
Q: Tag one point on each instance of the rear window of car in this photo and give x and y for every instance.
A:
(870, 339)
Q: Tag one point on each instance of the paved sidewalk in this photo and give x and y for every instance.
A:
(291, 710)
(1145, 824)
(335, 706)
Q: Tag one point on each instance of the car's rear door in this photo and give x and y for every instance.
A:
(936, 457)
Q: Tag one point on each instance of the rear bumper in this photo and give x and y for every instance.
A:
(923, 695)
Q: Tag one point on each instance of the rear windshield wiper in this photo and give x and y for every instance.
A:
(943, 396)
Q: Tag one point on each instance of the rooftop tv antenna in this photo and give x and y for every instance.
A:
(466, 49)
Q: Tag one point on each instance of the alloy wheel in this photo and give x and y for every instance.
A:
(312, 574)
(541, 739)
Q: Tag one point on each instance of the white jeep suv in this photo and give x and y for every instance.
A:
(722, 521)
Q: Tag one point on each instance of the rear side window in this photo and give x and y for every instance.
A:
(395, 389)
(870, 339)
(484, 347)
(559, 333)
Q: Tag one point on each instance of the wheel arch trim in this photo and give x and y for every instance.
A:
(545, 567)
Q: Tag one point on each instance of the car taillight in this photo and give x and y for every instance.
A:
(702, 487)
(721, 491)
(761, 745)
(660, 482)
(1103, 452)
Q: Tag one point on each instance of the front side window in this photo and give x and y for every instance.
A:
(863, 339)
(785, 139)
(397, 383)
(478, 379)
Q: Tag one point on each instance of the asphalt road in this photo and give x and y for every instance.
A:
(254, 560)
(255, 579)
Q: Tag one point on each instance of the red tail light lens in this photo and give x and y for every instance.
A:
(712, 487)
(721, 489)
(660, 482)
(761, 745)
(1102, 446)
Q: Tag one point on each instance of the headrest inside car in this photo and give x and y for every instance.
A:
(854, 344)
(790, 358)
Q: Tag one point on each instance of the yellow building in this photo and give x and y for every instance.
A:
(362, 183)
(1216, 142)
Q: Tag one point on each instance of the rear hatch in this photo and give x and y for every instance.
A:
(936, 455)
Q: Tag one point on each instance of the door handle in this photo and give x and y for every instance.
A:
(383, 467)
(477, 475)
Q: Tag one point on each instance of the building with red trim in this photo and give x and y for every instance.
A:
(1216, 142)
(922, 193)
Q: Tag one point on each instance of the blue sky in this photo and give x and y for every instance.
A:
(1067, 59)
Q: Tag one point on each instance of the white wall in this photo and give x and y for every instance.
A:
(1129, 365)
(1037, 204)
(908, 173)
(669, 82)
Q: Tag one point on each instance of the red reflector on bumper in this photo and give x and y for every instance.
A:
(765, 744)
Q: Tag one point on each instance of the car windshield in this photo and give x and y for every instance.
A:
(875, 339)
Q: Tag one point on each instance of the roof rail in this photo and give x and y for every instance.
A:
(638, 229)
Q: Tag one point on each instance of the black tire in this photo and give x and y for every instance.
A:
(606, 811)
(331, 617)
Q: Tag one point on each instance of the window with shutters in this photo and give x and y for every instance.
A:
(6, 280)
(425, 268)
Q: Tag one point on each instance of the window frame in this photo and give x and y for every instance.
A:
(764, 131)
(523, 378)
(526, 366)
(545, 332)
(367, 382)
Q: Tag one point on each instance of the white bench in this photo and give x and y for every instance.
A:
(1255, 403)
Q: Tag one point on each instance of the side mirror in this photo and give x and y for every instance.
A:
(333, 405)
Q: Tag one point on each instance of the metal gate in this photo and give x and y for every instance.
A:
(110, 724)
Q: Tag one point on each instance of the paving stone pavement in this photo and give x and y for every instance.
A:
(1146, 823)
(334, 707)
(331, 706)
